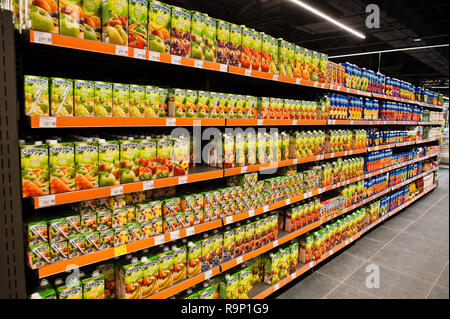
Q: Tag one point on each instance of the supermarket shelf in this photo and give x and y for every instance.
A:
(278, 122)
(185, 284)
(67, 122)
(197, 174)
(392, 145)
(262, 290)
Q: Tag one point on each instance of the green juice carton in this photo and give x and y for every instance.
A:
(43, 16)
(194, 258)
(108, 163)
(222, 39)
(94, 286)
(314, 76)
(165, 277)
(202, 104)
(180, 42)
(71, 18)
(38, 256)
(228, 287)
(164, 153)
(163, 101)
(92, 12)
(121, 97)
(61, 92)
(86, 160)
(35, 170)
(198, 26)
(62, 167)
(289, 59)
(213, 104)
(37, 232)
(152, 107)
(191, 103)
(256, 49)
(84, 98)
(247, 50)
(137, 102)
(147, 159)
(115, 21)
(240, 107)
(234, 53)
(323, 67)
(269, 54)
(69, 290)
(129, 157)
(159, 18)
(103, 99)
(137, 24)
(150, 270)
(209, 34)
(57, 230)
(177, 104)
(36, 95)
(250, 148)
(231, 106)
(222, 106)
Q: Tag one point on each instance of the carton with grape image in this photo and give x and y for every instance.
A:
(84, 98)
(61, 97)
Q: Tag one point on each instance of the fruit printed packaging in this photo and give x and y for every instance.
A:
(234, 53)
(35, 170)
(191, 103)
(137, 24)
(315, 66)
(137, 101)
(256, 50)
(247, 52)
(202, 104)
(213, 105)
(228, 288)
(245, 282)
(36, 95)
(323, 67)
(150, 270)
(269, 54)
(57, 230)
(222, 39)
(152, 108)
(92, 15)
(115, 22)
(272, 268)
(107, 237)
(61, 91)
(109, 163)
(293, 258)
(43, 15)
(71, 19)
(180, 156)
(76, 245)
(62, 167)
(94, 286)
(207, 252)
(147, 159)
(70, 290)
(209, 35)
(37, 232)
(129, 156)
(194, 256)
(121, 98)
(84, 98)
(164, 151)
(177, 105)
(198, 26)
(180, 35)
(159, 15)
(92, 242)
(179, 266)
(128, 279)
(86, 161)
(103, 99)
(38, 256)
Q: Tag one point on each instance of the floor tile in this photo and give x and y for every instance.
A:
(340, 266)
(313, 286)
(382, 234)
(443, 278)
(364, 248)
(397, 222)
(344, 291)
(438, 292)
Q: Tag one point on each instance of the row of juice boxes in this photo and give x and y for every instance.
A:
(159, 27)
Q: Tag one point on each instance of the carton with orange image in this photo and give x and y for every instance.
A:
(86, 159)
(34, 164)
(62, 167)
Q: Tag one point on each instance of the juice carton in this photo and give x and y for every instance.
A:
(213, 105)
(315, 66)
(94, 286)
(207, 292)
(249, 243)
(269, 54)
(179, 267)
(222, 107)
(107, 270)
(228, 288)
(298, 66)
(247, 50)
(180, 37)
(115, 22)
(218, 249)
(222, 39)
(71, 19)
(207, 252)
(150, 270)
(104, 219)
(272, 268)
(235, 39)
(37, 232)
(165, 275)
(38, 256)
(71, 290)
(202, 104)
(137, 23)
(209, 35)
(231, 106)
(57, 230)
(92, 242)
(121, 236)
(323, 67)
(36, 94)
(147, 159)
(84, 98)
(198, 26)
(284, 262)
(43, 16)
(134, 232)
(62, 167)
(239, 149)
(239, 109)
(159, 15)
(61, 101)
(239, 237)
(129, 159)
(256, 50)
(191, 103)
(164, 152)
(103, 99)
(88, 222)
(181, 156)
(137, 100)
(194, 258)
(86, 161)
(35, 170)
(177, 105)
(121, 98)
(109, 163)
(250, 148)
(308, 67)
(228, 151)
(119, 217)
(128, 278)
(76, 245)
(92, 12)
(107, 238)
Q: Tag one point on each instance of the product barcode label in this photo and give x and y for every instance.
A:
(116, 190)
(223, 68)
(251, 213)
(175, 59)
(239, 260)
(42, 37)
(294, 122)
(228, 220)
(310, 264)
(198, 64)
(48, 200)
(275, 77)
(208, 274)
(47, 122)
(121, 50)
(159, 240)
(139, 54)
(182, 180)
(120, 250)
(248, 72)
(316, 84)
(171, 121)
(190, 231)
(275, 243)
(146, 185)
(351, 122)
(295, 161)
(154, 56)
(288, 201)
(175, 235)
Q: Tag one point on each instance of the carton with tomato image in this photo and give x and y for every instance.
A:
(246, 46)
(222, 41)
(35, 170)
(43, 15)
(62, 167)
(194, 261)
(165, 273)
(115, 22)
(164, 152)
(147, 159)
(150, 270)
(181, 154)
(180, 32)
(255, 46)
(159, 15)
(179, 263)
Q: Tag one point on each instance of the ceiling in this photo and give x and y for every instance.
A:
(401, 21)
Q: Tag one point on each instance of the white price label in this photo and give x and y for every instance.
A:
(154, 56)
(345, 153)
(47, 122)
(293, 276)
(331, 86)
(248, 72)
(228, 220)
(316, 84)
(275, 243)
(208, 274)
(297, 81)
(182, 180)
(288, 201)
(308, 194)
(251, 213)
(175, 59)
(346, 242)
(294, 122)
(260, 122)
(320, 157)
(198, 64)
(42, 37)
(239, 260)
(338, 88)
(46, 200)
(159, 240)
(331, 252)
(275, 77)
(358, 92)
(116, 190)
(146, 185)
(223, 68)
(310, 264)
(266, 208)
(190, 231)
(348, 90)
(276, 287)
(171, 121)
(139, 54)
(351, 122)
(175, 235)
(295, 161)
(244, 169)
(322, 85)
(121, 50)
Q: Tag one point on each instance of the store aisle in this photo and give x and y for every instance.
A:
(411, 250)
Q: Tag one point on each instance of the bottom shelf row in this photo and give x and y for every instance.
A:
(249, 268)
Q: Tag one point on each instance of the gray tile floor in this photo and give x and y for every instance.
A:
(411, 250)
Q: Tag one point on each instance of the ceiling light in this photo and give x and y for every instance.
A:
(393, 50)
(439, 87)
(417, 40)
(328, 18)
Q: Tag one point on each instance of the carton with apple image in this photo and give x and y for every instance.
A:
(71, 18)
(213, 105)
(239, 110)
(152, 106)
(62, 167)
(137, 100)
(103, 99)
(272, 268)
(84, 98)
(43, 15)
(137, 23)
(115, 21)
(36, 95)
(191, 103)
(159, 18)
(109, 163)
(92, 15)
(222, 41)
(222, 106)
(202, 104)
(177, 102)
(283, 57)
(235, 48)
(323, 67)
(231, 106)
(129, 157)
(181, 154)
(298, 67)
(209, 34)
(164, 153)
(61, 91)
(180, 34)
(147, 159)
(121, 100)
(86, 161)
(198, 26)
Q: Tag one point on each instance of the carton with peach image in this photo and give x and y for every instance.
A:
(159, 15)
(43, 15)
(115, 22)
(181, 154)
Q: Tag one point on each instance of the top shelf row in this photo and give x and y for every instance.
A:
(118, 50)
